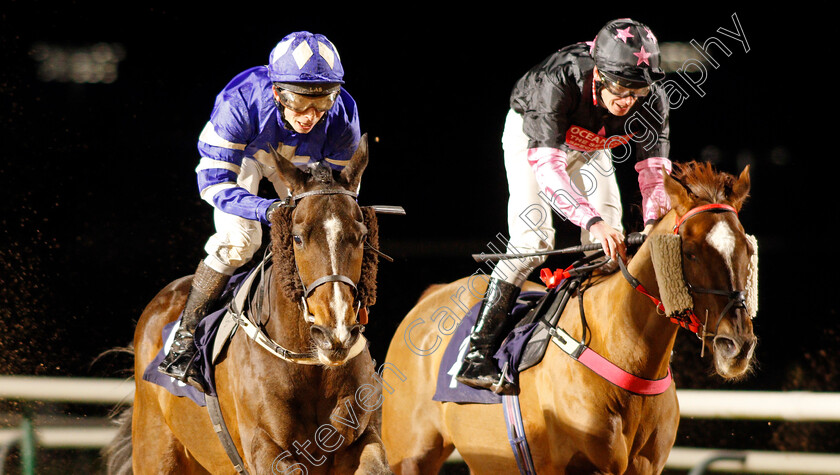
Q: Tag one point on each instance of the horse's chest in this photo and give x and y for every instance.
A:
(623, 428)
(605, 431)
(334, 421)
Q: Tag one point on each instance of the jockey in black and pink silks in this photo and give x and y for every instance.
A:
(571, 118)
(295, 104)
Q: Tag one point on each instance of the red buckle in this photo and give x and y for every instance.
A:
(553, 279)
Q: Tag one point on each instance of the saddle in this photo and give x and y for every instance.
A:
(525, 346)
(211, 335)
(536, 314)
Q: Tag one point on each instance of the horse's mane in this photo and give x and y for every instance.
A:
(283, 258)
(703, 181)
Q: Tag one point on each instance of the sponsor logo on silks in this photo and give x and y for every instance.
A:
(584, 140)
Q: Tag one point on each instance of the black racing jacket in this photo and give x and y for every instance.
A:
(555, 100)
(558, 102)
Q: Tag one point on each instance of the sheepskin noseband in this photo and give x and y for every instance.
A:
(751, 292)
(666, 254)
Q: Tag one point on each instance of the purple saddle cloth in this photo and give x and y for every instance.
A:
(205, 335)
(448, 389)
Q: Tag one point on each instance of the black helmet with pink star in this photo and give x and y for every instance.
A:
(627, 52)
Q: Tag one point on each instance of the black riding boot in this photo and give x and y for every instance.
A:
(479, 368)
(206, 287)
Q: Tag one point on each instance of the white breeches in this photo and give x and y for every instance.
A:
(530, 215)
(237, 239)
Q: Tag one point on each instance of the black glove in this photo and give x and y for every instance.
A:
(271, 208)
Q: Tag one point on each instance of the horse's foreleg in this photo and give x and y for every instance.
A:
(263, 454)
(366, 455)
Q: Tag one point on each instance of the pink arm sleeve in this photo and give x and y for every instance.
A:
(549, 165)
(655, 201)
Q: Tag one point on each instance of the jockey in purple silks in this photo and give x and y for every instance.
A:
(571, 117)
(296, 104)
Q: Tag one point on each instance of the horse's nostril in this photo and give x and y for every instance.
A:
(321, 336)
(748, 347)
(725, 346)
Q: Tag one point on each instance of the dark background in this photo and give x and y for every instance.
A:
(100, 208)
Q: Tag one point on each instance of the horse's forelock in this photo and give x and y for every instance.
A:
(703, 181)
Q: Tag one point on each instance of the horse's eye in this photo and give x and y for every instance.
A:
(297, 239)
(690, 256)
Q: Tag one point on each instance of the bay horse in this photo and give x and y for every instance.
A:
(574, 420)
(282, 416)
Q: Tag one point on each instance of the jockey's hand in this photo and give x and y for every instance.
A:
(612, 240)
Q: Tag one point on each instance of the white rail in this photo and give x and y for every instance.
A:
(64, 389)
(702, 404)
(753, 461)
(782, 405)
(64, 437)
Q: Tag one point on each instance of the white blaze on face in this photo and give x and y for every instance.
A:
(722, 239)
(339, 305)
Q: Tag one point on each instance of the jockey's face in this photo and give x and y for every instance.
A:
(617, 105)
(302, 122)
(303, 112)
(617, 99)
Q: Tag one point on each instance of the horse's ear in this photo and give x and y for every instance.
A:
(291, 175)
(351, 176)
(741, 189)
(680, 200)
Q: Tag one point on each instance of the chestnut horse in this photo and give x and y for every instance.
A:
(282, 416)
(574, 420)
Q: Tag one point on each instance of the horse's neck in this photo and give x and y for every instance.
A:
(626, 324)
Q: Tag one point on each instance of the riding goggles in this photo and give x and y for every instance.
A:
(621, 91)
(301, 103)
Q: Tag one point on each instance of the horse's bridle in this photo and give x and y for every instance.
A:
(689, 319)
(291, 202)
(736, 298)
(255, 330)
